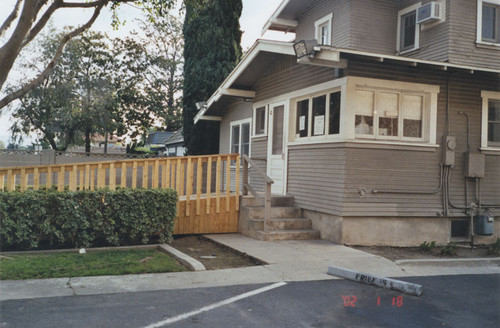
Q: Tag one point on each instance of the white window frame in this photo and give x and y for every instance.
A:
(401, 13)
(266, 119)
(327, 20)
(486, 97)
(310, 135)
(376, 115)
(479, 22)
(240, 123)
(348, 86)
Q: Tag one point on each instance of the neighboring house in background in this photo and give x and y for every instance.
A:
(387, 131)
(175, 144)
(156, 140)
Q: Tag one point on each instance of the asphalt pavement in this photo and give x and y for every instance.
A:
(447, 301)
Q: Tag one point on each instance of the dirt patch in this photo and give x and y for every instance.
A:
(405, 253)
(213, 255)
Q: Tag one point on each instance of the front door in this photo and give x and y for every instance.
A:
(276, 154)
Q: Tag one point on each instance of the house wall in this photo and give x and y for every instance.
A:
(291, 77)
(463, 48)
(237, 110)
(372, 26)
(319, 9)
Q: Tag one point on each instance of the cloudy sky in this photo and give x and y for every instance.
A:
(255, 14)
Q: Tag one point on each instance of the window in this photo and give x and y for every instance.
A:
(490, 119)
(323, 111)
(323, 29)
(240, 137)
(388, 114)
(260, 121)
(408, 30)
(366, 110)
(488, 21)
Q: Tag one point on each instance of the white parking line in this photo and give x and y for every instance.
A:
(215, 305)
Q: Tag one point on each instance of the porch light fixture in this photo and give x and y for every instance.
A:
(304, 48)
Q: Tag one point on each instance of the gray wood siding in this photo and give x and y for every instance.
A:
(463, 48)
(374, 26)
(238, 110)
(328, 179)
(295, 77)
(419, 170)
(316, 177)
(318, 10)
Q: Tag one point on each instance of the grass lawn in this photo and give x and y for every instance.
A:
(113, 262)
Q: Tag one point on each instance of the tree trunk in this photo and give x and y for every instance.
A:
(87, 141)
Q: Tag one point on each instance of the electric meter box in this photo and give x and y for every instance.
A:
(474, 165)
(483, 225)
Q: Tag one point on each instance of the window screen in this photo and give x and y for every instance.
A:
(302, 118)
(490, 24)
(412, 116)
(494, 121)
(334, 125)
(408, 29)
(260, 120)
(364, 112)
(318, 119)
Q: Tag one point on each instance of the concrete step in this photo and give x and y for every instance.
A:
(282, 224)
(257, 212)
(276, 201)
(287, 234)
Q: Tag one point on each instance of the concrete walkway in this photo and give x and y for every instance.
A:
(292, 260)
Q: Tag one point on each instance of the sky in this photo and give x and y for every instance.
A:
(254, 15)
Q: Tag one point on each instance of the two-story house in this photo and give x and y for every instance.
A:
(382, 119)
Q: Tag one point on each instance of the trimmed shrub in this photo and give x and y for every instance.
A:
(85, 218)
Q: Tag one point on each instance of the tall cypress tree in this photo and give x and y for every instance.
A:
(212, 48)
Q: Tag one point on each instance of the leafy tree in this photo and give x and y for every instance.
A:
(77, 100)
(33, 17)
(150, 76)
(212, 48)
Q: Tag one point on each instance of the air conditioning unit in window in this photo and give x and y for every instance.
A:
(429, 13)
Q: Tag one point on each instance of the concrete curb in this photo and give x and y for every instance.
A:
(185, 259)
(451, 262)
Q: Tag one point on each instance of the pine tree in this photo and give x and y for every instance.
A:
(212, 48)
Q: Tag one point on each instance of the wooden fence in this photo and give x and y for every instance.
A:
(206, 202)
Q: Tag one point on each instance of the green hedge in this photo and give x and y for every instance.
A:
(85, 218)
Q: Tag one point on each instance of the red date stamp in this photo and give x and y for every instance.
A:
(350, 301)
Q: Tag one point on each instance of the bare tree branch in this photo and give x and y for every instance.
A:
(10, 50)
(31, 85)
(11, 18)
(42, 22)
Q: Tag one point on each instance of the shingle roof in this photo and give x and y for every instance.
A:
(177, 137)
(158, 137)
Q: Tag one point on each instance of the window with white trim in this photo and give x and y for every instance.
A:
(488, 21)
(240, 137)
(323, 28)
(388, 114)
(365, 110)
(408, 32)
(490, 119)
(260, 121)
(318, 115)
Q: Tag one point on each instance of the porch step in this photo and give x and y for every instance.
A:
(281, 224)
(276, 201)
(287, 234)
(257, 212)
